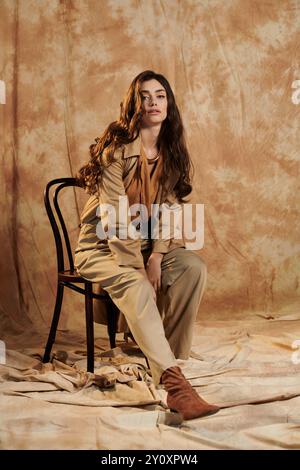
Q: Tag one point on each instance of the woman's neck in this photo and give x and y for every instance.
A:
(149, 136)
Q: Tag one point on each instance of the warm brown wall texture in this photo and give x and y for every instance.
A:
(232, 65)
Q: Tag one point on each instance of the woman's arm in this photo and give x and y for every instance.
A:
(127, 251)
(153, 270)
(167, 237)
(145, 274)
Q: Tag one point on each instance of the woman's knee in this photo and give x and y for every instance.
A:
(196, 266)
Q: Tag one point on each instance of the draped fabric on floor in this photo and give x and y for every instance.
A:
(235, 73)
(246, 366)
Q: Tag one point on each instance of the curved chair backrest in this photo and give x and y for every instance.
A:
(57, 221)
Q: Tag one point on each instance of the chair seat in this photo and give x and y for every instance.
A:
(71, 276)
(74, 277)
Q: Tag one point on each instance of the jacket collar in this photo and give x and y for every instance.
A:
(133, 149)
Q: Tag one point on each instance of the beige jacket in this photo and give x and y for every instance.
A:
(115, 179)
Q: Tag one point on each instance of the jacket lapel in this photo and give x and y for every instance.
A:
(133, 149)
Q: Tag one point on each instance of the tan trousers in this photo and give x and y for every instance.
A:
(163, 330)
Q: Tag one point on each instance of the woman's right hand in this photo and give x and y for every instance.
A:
(143, 271)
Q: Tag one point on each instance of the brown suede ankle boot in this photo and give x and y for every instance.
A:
(182, 397)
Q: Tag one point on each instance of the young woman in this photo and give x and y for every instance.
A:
(157, 283)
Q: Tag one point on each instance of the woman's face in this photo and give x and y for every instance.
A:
(154, 102)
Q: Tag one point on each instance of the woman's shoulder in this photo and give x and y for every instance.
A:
(110, 156)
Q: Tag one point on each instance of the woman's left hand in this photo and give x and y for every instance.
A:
(153, 269)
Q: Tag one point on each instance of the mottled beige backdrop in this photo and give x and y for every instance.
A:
(232, 65)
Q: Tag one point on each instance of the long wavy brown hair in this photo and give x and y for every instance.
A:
(171, 140)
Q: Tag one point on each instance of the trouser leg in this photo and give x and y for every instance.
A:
(132, 294)
(183, 283)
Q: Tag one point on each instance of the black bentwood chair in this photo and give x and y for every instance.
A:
(68, 277)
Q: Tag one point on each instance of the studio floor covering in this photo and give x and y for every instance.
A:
(248, 365)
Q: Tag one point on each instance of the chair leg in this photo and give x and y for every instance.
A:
(89, 319)
(112, 320)
(54, 323)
